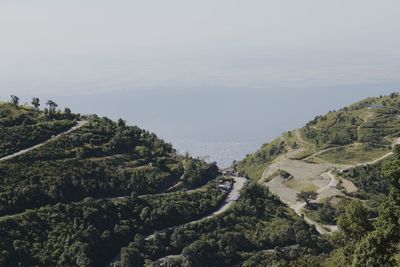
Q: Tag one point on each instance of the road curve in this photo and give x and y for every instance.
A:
(233, 195)
(230, 199)
(78, 125)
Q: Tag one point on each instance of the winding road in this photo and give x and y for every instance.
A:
(233, 195)
(78, 125)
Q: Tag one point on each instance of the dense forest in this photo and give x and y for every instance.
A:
(258, 230)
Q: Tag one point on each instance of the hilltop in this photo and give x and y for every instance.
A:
(338, 155)
(360, 132)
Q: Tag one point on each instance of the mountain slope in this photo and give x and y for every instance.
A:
(354, 134)
(329, 155)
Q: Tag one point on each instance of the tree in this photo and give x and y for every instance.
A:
(14, 100)
(35, 102)
(52, 107)
(379, 246)
(121, 123)
(306, 196)
(67, 112)
(354, 222)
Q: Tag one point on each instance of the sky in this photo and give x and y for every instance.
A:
(78, 47)
(216, 77)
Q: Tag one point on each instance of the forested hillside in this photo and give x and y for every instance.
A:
(76, 195)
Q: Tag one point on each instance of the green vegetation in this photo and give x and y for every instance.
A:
(90, 232)
(353, 154)
(369, 121)
(306, 196)
(100, 159)
(23, 126)
(361, 132)
(328, 211)
(253, 165)
(372, 186)
(257, 226)
(362, 241)
(78, 198)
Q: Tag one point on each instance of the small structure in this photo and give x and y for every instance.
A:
(225, 186)
(376, 107)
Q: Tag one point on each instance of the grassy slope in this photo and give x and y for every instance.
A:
(253, 165)
(355, 133)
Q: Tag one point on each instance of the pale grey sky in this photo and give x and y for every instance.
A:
(82, 46)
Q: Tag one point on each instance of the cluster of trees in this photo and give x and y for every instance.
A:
(366, 241)
(23, 127)
(257, 223)
(320, 212)
(50, 111)
(335, 128)
(391, 101)
(385, 123)
(345, 126)
(102, 137)
(31, 185)
(198, 172)
(101, 159)
(90, 233)
(370, 182)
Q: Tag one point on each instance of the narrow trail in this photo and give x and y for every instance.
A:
(78, 125)
(233, 195)
(300, 138)
(332, 182)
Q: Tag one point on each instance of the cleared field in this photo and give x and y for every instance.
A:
(301, 185)
(301, 170)
(352, 154)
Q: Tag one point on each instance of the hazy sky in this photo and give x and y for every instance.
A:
(75, 46)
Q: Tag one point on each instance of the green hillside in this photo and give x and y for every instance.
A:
(81, 186)
(358, 133)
